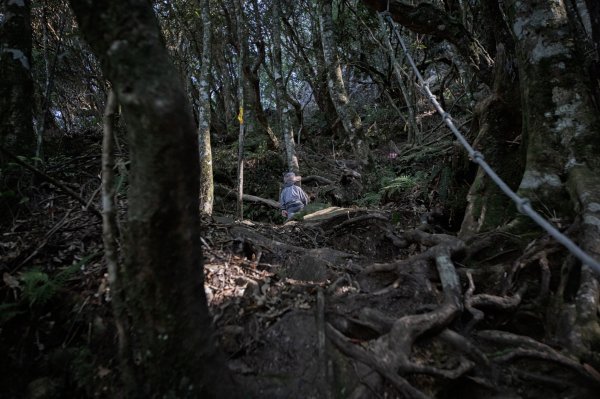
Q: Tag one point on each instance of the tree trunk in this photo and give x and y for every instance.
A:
(206, 172)
(497, 126)
(283, 107)
(240, 162)
(173, 352)
(16, 86)
(348, 116)
(562, 170)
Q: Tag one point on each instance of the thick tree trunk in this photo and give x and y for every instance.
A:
(206, 172)
(497, 126)
(561, 130)
(173, 352)
(561, 126)
(335, 82)
(16, 86)
(283, 107)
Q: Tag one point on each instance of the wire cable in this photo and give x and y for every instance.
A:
(523, 204)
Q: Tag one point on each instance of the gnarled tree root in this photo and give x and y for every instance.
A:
(527, 347)
(390, 353)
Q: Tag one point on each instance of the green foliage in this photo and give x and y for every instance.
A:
(400, 184)
(39, 287)
(389, 186)
(369, 199)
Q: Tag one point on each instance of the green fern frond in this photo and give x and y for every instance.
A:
(38, 288)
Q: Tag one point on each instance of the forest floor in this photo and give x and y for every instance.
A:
(349, 302)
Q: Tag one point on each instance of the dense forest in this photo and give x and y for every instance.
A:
(449, 149)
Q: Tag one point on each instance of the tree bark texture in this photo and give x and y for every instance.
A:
(173, 352)
(16, 86)
(335, 82)
(206, 172)
(561, 127)
(497, 126)
(562, 133)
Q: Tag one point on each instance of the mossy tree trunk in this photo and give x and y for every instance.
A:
(497, 127)
(206, 172)
(561, 130)
(173, 352)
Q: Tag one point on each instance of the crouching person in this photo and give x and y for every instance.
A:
(292, 198)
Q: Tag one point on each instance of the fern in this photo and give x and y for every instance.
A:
(38, 287)
(369, 199)
(398, 184)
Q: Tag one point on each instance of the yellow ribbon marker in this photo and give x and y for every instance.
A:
(240, 116)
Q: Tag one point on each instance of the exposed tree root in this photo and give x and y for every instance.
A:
(391, 352)
(473, 302)
(529, 348)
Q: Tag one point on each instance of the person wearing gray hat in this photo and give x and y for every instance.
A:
(292, 198)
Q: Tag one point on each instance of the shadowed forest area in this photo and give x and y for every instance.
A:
(143, 248)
